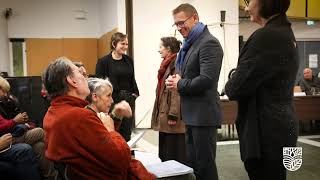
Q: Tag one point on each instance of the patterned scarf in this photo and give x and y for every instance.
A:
(195, 32)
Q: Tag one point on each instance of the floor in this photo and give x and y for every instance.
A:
(228, 160)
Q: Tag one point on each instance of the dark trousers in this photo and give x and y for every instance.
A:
(259, 169)
(201, 143)
(127, 124)
(24, 162)
(172, 147)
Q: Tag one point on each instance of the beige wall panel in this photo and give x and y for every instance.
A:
(297, 9)
(313, 9)
(82, 49)
(40, 52)
(104, 43)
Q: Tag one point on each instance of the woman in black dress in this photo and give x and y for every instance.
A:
(119, 68)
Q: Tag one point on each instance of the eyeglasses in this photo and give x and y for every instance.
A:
(247, 2)
(86, 75)
(181, 24)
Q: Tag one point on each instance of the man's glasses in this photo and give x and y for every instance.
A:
(86, 75)
(247, 2)
(180, 24)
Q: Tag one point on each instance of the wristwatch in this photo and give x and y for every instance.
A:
(115, 117)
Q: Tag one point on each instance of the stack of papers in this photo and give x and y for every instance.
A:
(146, 158)
(299, 94)
(168, 169)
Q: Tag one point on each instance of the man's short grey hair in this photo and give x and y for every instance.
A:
(96, 85)
(55, 77)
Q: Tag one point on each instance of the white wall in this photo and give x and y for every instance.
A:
(4, 43)
(122, 16)
(153, 20)
(108, 15)
(301, 30)
(52, 19)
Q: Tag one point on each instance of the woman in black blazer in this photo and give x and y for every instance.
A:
(263, 87)
(119, 68)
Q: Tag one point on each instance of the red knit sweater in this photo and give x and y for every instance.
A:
(77, 137)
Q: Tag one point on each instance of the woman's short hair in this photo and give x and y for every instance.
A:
(267, 8)
(115, 38)
(4, 84)
(171, 43)
(55, 77)
(96, 85)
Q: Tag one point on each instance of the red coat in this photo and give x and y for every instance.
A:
(77, 137)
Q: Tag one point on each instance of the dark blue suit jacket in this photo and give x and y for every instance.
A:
(199, 80)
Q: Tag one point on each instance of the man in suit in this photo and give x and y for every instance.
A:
(198, 63)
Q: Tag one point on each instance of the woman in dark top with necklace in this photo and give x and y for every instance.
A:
(118, 67)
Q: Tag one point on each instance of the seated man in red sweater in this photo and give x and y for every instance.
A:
(76, 137)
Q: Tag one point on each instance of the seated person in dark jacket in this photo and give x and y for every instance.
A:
(309, 84)
(13, 121)
(17, 161)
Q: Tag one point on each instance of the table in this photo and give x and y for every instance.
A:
(307, 108)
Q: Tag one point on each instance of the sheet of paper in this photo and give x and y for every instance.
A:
(168, 169)
(135, 139)
(299, 94)
(313, 60)
(146, 158)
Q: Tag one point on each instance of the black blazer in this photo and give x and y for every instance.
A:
(103, 70)
(263, 86)
(197, 87)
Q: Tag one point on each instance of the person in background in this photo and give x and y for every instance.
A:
(119, 68)
(20, 160)
(100, 101)
(198, 63)
(263, 87)
(89, 147)
(309, 83)
(13, 121)
(166, 116)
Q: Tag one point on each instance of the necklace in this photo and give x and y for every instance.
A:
(116, 56)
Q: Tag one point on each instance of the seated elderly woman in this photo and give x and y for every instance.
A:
(100, 99)
(17, 124)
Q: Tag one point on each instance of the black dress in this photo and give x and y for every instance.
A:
(121, 75)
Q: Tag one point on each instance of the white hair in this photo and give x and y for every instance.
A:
(95, 86)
